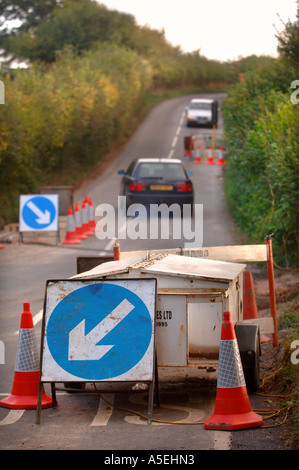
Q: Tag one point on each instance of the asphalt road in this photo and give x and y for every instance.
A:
(86, 421)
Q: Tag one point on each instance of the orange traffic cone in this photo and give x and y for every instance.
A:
(85, 219)
(187, 153)
(249, 303)
(232, 407)
(188, 150)
(92, 223)
(70, 236)
(220, 160)
(26, 377)
(78, 224)
(197, 155)
(210, 160)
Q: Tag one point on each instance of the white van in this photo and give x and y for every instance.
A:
(202, 112)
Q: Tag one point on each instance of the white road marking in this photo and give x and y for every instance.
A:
(175, 139)
(12, 417)
(104, 411)
(170, 153)
(174, 142)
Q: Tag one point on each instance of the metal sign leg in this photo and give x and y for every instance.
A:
(39, 402)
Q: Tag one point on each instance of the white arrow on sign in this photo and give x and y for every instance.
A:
(84, 347)
(43, 217)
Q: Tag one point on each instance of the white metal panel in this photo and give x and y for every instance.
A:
(170, 265)
(171, 330)
(204, 327)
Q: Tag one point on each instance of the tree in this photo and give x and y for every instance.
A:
(20, 16)
(78, 23)
(288, 41)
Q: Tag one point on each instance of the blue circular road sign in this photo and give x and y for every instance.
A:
(99, 331)
(38, 212)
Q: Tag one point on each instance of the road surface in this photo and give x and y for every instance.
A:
(88, 421)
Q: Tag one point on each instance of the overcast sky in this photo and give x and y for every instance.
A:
(221, 29)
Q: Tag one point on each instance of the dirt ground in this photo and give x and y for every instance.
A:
(275, 392)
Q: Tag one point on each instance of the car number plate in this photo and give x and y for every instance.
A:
(161, 187)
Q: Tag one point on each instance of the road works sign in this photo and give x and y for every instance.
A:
(38, 213)
(98, 330)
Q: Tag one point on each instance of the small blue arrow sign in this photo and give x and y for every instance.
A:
(99, 331)
(39, 212)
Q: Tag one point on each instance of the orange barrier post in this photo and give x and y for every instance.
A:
(249, 302)
(232, 408)
(116, 251)
(272, 295)
(70, 236)
(26, 377)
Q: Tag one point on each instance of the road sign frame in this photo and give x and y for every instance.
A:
(25, 226)
(61, 295)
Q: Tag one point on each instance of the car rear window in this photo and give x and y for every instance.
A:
(159, 170)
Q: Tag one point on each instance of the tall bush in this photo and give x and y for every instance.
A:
(61, 119)
(262, 183)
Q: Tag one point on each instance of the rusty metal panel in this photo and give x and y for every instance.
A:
(108, 269)
(86, 263)
(65, 196)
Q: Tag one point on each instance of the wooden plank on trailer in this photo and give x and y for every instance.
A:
(234, 253)
(265, 323)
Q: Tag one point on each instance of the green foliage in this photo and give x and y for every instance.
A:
(66, 116)
(262, 184)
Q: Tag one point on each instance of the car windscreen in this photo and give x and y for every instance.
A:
(200, 106)
(159, 170)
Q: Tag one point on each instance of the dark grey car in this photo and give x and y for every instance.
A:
(155, 181)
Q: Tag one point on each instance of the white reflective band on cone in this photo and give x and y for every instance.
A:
(230, 370)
